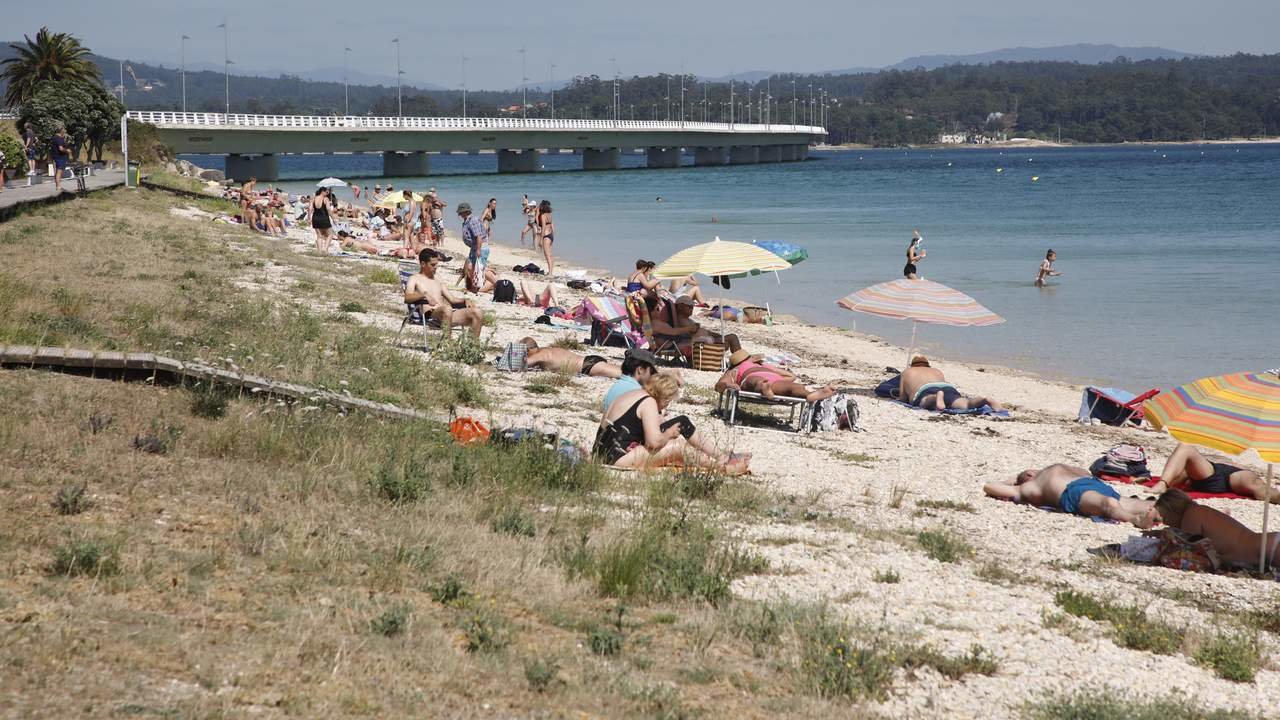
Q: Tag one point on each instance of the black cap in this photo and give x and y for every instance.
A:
(643, 356)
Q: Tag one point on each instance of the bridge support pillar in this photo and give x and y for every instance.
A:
(802, 152)
(601, 158)
(770, 153)
(522, 161)
(662, 157)
(243, 167)
(708, 156)
(744, 155)
(411, 164)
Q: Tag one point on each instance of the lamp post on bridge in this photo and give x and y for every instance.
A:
(668, 98)
(793, 103)
(809, 112)
(399, 99)
(681, 95)
(346, 96)
(552, 83)
(184, 73)
(226, 71)
(524, 86)
(464, 87)
(730, 102)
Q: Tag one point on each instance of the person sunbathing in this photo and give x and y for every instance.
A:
(1186, 467)
(925, 386)
(675, 320)
(545, 299)
(632, 434)
(688, 285)
(1073, 490)
(566, 361)
(436, 301)
(1236, 544)
(350, 242)
(748, 373)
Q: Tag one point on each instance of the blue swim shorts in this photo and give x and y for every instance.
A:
(1070, 501)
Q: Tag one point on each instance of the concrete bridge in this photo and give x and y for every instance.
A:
(253, 143)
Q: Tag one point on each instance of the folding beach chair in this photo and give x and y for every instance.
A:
(413, 311)
(607, 315)
(1113, 406)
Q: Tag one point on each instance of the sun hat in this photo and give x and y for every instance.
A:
(464, 207)
(738, 357)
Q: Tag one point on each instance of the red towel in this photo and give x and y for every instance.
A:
(1190, 493)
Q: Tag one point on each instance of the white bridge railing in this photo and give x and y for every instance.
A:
(358, 122)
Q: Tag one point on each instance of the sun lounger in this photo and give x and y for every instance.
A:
(728, 401)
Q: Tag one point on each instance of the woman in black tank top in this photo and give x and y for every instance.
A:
(320, 221)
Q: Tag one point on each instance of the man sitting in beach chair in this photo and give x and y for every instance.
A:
(748, 373)
(675, 321)
(925, 386)
(1187, 469)
(436, 302)
(1073, 490)
(566, 361)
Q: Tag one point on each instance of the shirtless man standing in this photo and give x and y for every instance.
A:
(1073, 490)
(567, 361)
(437, 302)
(437, 207)
(925, 386)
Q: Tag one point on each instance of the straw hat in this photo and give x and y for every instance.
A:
(738, 357)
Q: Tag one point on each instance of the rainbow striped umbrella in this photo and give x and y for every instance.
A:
(920, 301)
(1231, 413)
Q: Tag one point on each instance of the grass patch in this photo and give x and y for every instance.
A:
(485, 631)
(946, 505)
(942, 546)
(350, 306)
(72, 499)
(978, 661)
(511, 519)
(1131, 626)
(862, 459)
(392, 622)
(159, 440)
(1235, 656)
(568, 341)
(449, 591)
(541, 387)
(889, 577)
(381, 276)
(210, 401)
(540, 673)
(1110, 704)
(461, 347)
(994, 572)
(86, 556)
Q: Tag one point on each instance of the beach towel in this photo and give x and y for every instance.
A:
(891, 387)
(1150, 482)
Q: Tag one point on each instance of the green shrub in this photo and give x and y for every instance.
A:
(943, 546)
(1234, 656)
(1110, 704)
(1082, 605)
(15, 158)
(977, 661)
(889, 577)
(604, 640)
(401, 479)
(210, 401)
(350, 306)
(1130, 625)
(485, 631)
(461, 347)
(86, 556)
(382, 276)
(72, 499)
(836, 663)
(511, 519)
(392, 622)
(540, 674)
(449, 591)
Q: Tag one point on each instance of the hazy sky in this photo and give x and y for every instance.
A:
(710, 38)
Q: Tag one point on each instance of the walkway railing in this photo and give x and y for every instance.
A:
(358, 122)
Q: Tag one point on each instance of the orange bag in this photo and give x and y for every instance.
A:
(468, 431)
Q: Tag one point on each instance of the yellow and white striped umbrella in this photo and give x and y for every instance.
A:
(720, 257)
(391, 200)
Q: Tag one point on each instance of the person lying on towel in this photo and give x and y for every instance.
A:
(566, 361)
(1073, 490)
(925, 386)
(1186, 467)
(748, 373)
(1237, 545)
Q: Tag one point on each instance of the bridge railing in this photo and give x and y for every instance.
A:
(359, 122)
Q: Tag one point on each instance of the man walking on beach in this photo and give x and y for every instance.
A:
(1073, 490)
(476, 240)
(436, 302)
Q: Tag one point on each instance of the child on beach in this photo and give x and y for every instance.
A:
(1046, 268)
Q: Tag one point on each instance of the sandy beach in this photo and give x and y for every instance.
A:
(910, 471)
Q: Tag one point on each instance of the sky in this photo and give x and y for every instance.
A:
(708, 39)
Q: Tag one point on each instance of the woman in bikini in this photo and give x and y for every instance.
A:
(1236, 544)
(748, 373)
(688, 285)
(642, 281)
(632, 434)
(548, 232)
(915, 254)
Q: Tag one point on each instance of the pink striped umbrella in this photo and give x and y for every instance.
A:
(920, 301)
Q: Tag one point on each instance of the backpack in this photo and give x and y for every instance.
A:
(1123, 460)
(504, 291)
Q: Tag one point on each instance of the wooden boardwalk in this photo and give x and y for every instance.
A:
(156, 368)
(19, 195)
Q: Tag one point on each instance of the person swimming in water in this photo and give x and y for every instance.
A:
(1046, 268)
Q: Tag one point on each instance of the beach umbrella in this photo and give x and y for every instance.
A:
(331, 182)
(793, 254)
(920, 301)
(720, 258)
(391, 200)
(1232, 413)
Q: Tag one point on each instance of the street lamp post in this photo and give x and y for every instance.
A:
(524, 85)
(464, 87)
(810, 110)
(668, 98)
(226, 71)
(731, 102)
(793, 104)
(184, 72)
(552, 83)
(682, 96)
(399, 96)
(346, 96)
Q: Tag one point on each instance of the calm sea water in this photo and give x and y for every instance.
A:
(1170, 257)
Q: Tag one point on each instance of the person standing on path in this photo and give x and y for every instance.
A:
(29, 142)
(1046, 268)
(61, 156)
(915, 254)
(548, 228)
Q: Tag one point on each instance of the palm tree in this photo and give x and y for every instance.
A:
(53, 56)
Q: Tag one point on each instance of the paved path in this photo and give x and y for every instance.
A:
(44, 192)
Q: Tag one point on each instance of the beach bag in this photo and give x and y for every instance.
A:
(839, 410)
(504, 291)
(1181, 551)
(708, 357)
(754, 315)
(1123, 460)
(467, 431)
(579, 284)
(515, 358)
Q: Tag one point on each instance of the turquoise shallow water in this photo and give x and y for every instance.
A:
(1170, 257)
